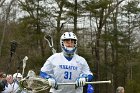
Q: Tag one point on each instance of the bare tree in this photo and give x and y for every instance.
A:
(8, 9)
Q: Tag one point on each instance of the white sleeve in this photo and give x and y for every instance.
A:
(85, 67)
(48, 67)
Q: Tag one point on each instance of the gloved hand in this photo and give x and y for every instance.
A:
(53, 83)
(81, 81)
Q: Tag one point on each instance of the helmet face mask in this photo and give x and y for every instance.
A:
(68, 36)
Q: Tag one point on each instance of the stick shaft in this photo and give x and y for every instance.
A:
(94, 82)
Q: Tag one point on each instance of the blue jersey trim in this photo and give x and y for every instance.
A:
(68, 58)
(44, 75)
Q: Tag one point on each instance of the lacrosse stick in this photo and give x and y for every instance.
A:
(49, 39)
(40, 84)
(24, 64)
(93, 82)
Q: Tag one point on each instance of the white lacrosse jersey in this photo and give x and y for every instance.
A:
(65, 71)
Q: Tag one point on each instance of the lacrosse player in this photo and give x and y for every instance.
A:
(66, 67)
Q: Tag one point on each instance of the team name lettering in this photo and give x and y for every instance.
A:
(68, 67)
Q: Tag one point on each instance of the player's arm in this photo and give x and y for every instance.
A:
(86, 75)
(86, 71)
(47, 73)
(47, 70)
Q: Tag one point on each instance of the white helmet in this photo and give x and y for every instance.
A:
(66, 50)
(16, 76)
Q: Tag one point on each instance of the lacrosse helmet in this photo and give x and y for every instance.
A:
(17, 75)
(67, 50)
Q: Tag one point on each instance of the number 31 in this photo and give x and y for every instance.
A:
(67, 75)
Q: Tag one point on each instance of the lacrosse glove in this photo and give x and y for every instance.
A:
(81, 81)
(52, 83)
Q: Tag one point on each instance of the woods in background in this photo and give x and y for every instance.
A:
(108, 33)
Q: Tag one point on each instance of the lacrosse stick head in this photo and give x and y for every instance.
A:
(49, 39)
(34, 84)
(31, 73)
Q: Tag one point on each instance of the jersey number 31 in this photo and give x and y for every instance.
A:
(67, 75)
